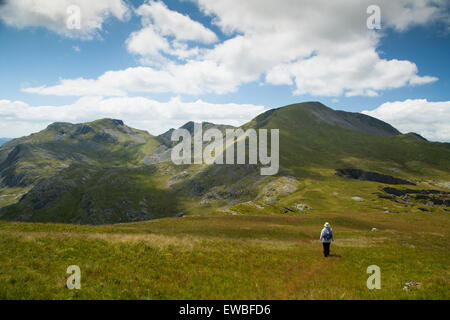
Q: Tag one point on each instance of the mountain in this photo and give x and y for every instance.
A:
(106, 172)
(164, 138)
(313, 134)
(105, 142)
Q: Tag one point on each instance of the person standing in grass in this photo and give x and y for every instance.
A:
(326, 236)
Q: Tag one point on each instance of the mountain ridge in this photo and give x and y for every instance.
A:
(106, 172)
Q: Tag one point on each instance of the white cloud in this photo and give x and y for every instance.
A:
(148, 43)
(360, 73)
(54, 15)
(193, 78)
(173, 23)
(159, 24)
(78, 87)
(323, 48)
(408, 13)
(19, 118)
(415, 80)
(429, 119)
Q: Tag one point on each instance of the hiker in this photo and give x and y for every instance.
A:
(326, 236)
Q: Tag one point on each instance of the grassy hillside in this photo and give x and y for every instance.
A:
(92, 195)
(105, 142)
(307, 140)
(229, 257)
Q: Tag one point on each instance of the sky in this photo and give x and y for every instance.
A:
(159, 64)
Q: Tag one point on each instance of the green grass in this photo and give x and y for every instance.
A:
(228, 257)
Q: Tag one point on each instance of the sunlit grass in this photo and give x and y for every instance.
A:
(226, 257)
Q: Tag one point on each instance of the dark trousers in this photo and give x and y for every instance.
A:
(326, 249)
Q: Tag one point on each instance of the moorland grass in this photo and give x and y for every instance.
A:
(227, 257)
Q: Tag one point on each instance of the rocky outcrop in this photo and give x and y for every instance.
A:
(104, 137)
(9, 173)
(47, 191)
(82, 130)
(370, 176)
(428, 197)
(161, 154)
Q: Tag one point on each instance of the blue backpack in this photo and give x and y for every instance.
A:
(328, 234)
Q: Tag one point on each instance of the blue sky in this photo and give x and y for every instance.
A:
(158, 64)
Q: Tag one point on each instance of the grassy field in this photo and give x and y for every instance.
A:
(229, 257)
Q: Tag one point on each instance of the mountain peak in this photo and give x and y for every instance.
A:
(311, 114)
(189, 126)
(415, 136)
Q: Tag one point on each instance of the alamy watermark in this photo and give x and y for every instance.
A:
(374, 19)
(221, 150)
(73, 17)
(74, 280)
(374, 281)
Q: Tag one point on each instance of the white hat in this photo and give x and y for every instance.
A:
(326, 225)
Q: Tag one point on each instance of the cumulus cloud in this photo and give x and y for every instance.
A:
(19, 118)
(194, 78)
(148, 43)
(408, 13)
(55, 15)
(320, 47)
(160, 23)
(323, 47)
(429, 119)
(173, 23)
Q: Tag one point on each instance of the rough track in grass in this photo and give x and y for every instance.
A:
(297, 284)
(160, 241)
(152, 240)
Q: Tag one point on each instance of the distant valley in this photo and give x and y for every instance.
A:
(4, 140)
